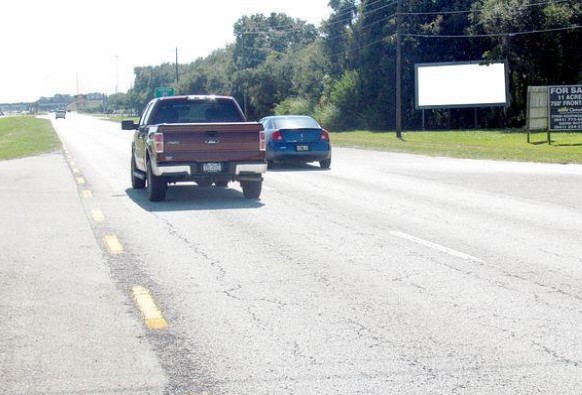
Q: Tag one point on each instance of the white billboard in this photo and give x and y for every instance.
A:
(451, 85)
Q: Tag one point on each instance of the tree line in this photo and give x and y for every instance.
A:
(343, 71)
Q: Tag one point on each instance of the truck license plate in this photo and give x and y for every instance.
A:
(302, 148)
(212, 167)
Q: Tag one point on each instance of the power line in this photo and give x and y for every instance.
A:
(364, 26)
(524, 6)
(492, 34)
(348, 18)
(347, 14)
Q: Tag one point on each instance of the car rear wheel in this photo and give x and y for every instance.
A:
(251, 189)
(155, 186)
(325, 164)
(136, 182)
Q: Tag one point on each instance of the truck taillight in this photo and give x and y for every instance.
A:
(262, 141)
(277, 136)
(324, 135)
(159, 143)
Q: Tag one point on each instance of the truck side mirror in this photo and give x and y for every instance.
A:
(128, 125)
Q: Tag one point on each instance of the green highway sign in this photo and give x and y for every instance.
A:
(164, 91)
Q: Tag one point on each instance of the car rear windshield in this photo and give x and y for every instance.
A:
(296, 123)
(197, 111)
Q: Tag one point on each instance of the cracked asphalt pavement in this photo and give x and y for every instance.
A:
(388, 274)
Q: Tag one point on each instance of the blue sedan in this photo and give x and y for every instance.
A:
(296, 138)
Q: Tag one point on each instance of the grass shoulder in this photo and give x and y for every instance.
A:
(22, 136)
(485, 144)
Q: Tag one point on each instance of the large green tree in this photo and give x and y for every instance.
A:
(344, 72)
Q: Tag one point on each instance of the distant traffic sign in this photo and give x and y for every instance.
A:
(164, 91)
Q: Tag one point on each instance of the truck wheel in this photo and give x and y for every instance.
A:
(325, 164)
(155, 186)
(251, 189)
(136, 182)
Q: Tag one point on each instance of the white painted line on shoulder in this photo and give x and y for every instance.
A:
(435, 246)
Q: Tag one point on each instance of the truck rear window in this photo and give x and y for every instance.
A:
(196, 111)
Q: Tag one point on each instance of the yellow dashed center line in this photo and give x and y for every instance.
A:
(97, 215)
(113, 244)
(86, 194)
(80, 180)
(76, 171)
(150, 311)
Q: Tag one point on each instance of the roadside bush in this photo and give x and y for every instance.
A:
(330, 117)
(294, 105)
(345, 97)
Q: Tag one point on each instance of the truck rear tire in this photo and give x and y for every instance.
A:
(136, 182)
(155, 186)
(251, 189)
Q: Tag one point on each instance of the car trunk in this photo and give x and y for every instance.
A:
(301, 135)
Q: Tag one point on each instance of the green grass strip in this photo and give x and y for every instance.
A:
(22, 136)
(496, 145)
(119, 118)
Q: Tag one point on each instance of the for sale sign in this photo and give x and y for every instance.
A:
(565, 107)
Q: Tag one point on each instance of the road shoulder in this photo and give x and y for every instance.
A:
(66, 327)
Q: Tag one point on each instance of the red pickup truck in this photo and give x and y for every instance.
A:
(205, 139)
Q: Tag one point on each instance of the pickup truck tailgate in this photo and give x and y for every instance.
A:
(211, 142)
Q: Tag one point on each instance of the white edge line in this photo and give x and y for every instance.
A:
(435, 246)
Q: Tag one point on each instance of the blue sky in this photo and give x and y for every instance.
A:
(47, 46)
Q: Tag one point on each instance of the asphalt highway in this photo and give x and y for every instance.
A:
(387, 274)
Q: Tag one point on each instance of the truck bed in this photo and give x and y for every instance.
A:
(210, 142)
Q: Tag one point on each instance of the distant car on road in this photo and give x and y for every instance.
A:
(296, 138)
(60, 114)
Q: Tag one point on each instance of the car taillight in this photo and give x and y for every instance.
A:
(262, 141)
(277, 136)
(324, 135)
(159, 143)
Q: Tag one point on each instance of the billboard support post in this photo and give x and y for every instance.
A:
(398, 72)
(475, 120)
(528, 101)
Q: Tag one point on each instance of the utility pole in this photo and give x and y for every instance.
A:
(398, 71)
(116, 74)
(244, 65)
(177, 71)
